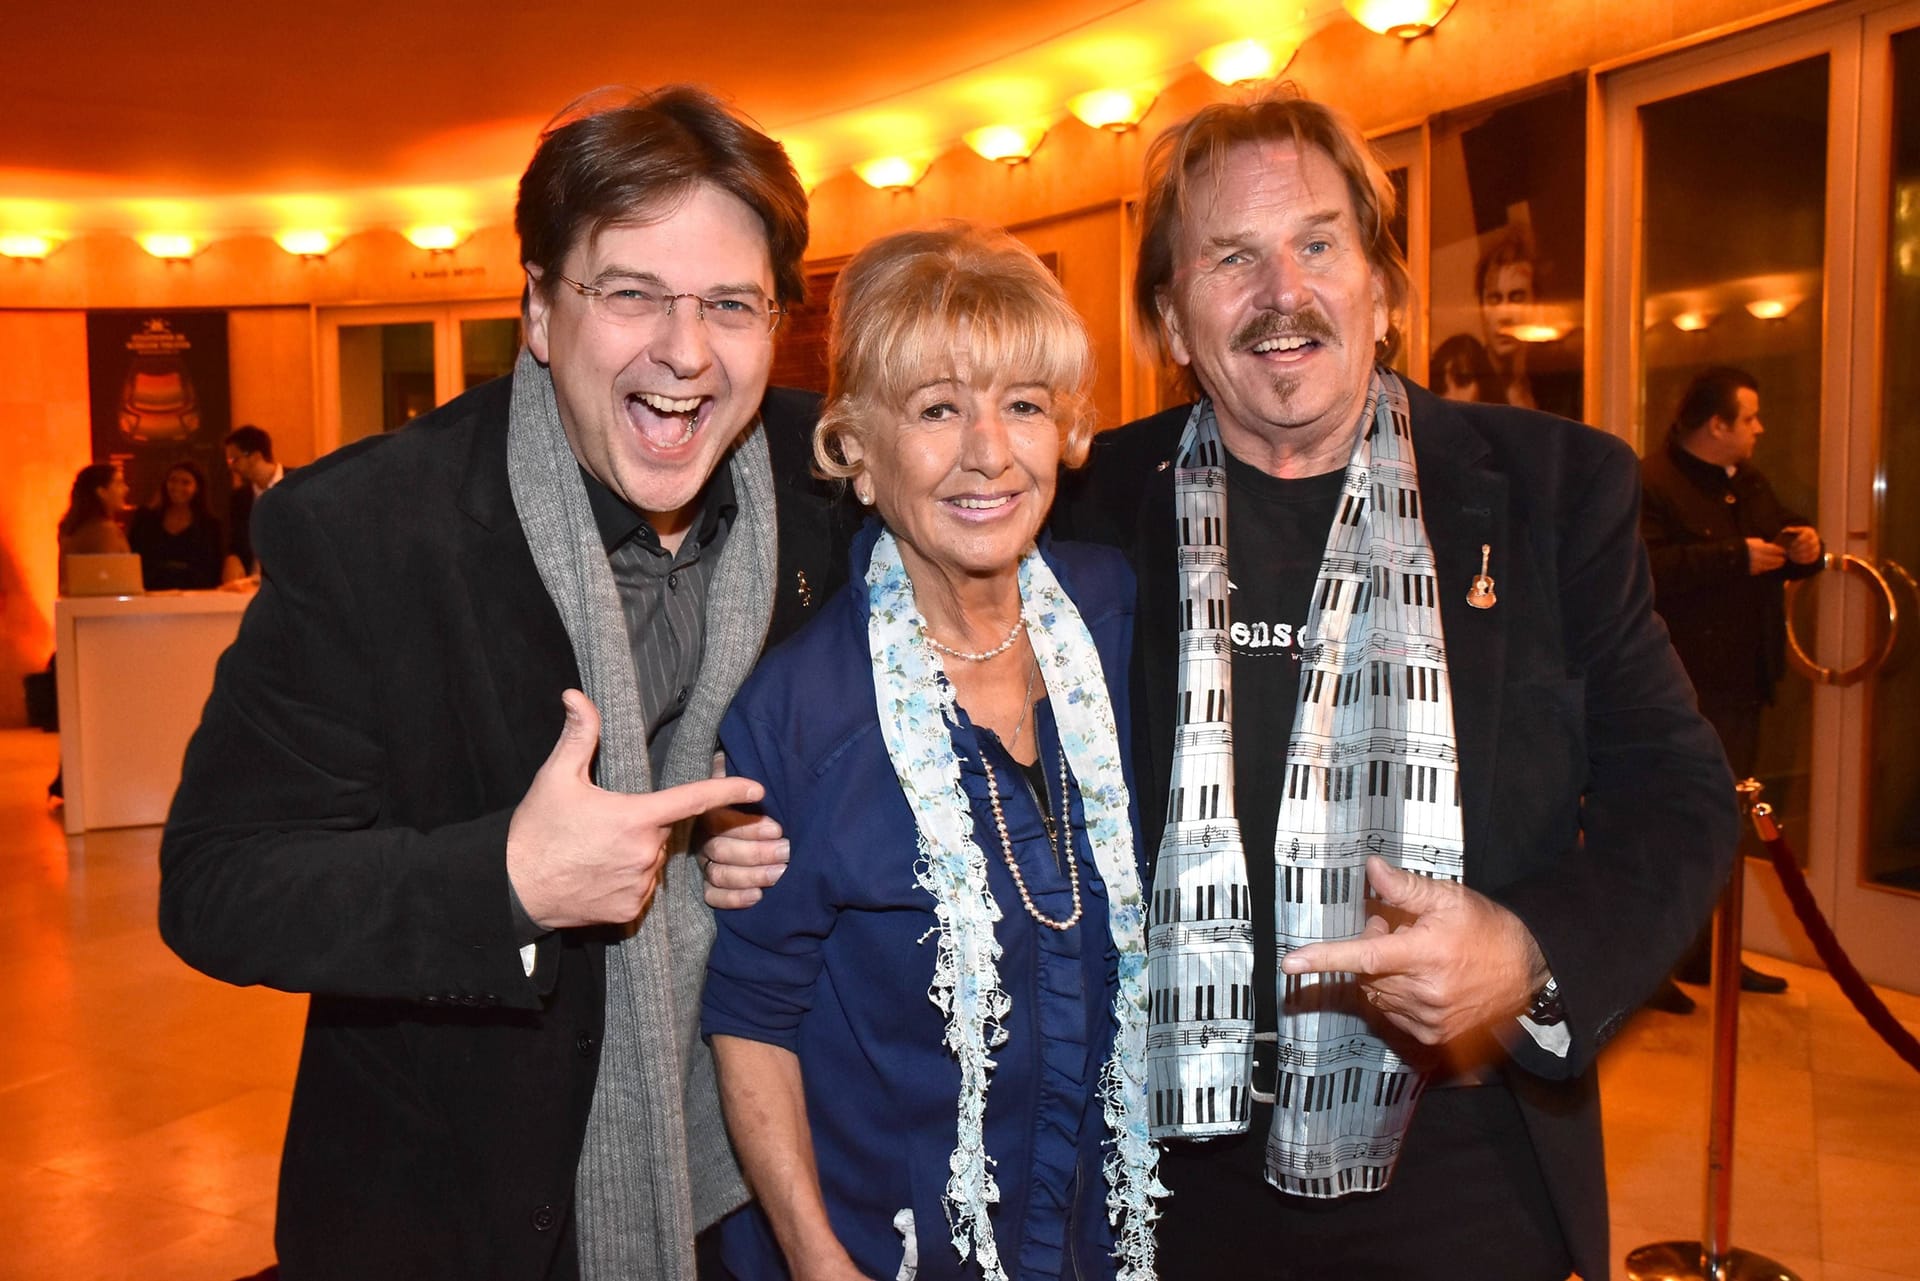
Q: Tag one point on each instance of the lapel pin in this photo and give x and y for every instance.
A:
(806, 588)
(1480, 595)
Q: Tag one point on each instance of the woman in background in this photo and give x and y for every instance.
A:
(178, 539)
(91, 525)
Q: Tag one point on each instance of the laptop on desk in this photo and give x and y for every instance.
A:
(104, 574)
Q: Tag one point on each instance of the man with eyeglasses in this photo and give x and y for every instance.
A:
(250, 459)
(501, 1076)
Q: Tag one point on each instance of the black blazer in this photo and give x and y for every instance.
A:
(1729, 626)
(1597, 804)
(340, 829)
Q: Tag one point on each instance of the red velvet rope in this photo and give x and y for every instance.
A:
(1838, 964)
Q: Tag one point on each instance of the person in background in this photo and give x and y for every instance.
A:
(1460, 370)
(91, 524)
(945, 749)
(250, 460)
(177, 537)
(1723, 547)
(1503, 281)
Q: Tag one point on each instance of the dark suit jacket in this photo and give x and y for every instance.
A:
(1729, 626)
(341, 828)
(1597, 804)
(240, 526)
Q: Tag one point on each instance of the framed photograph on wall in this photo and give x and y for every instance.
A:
(1508, 246)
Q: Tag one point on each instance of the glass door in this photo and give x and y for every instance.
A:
(1741, 170)
(382, 367)
(1404, 152)
(1878, 891)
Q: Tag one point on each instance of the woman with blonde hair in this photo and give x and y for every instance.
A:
(931, 1032)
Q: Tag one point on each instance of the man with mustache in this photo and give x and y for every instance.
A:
(442, 780)
(1396, 649)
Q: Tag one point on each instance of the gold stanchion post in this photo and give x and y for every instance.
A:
(1713, 1257)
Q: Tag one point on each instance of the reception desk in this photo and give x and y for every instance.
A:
(134, 673)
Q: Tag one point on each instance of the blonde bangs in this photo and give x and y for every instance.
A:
(901, 303)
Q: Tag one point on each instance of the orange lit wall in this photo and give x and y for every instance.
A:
(1071, 199)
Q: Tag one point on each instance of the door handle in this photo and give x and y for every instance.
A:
(1903, 650)
(1797, 656)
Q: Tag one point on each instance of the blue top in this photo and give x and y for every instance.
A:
(835, 962)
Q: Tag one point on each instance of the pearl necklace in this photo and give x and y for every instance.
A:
(1019, 624)
(1060, 844)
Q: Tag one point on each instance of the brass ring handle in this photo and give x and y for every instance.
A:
(1899, 573)
(1845, 562)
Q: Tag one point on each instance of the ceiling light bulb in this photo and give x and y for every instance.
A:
(1009, 144)
(1692, 321)
(892, 173)
(1404, 18)
(1240, 61)
(1115, 109)
(169, 245)
(438, 238)
(1537, 333)
(306, 243)
(24, 245)
(1771, 308)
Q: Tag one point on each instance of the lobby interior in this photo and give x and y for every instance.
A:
(141, 1104)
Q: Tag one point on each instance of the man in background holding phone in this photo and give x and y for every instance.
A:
(1723, 546)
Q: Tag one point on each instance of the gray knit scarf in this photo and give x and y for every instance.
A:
(655, 1167)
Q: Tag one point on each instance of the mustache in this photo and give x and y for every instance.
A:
(1305, 323)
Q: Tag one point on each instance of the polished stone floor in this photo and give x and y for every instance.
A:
(141, 1104)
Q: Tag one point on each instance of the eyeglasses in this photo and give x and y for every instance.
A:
(630, 305)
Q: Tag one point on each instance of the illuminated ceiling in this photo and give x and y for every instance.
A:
(222, 116)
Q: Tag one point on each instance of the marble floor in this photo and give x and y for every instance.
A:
(141, 1105)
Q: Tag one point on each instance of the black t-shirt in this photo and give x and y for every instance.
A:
(1276, 536)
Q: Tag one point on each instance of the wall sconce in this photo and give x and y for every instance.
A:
(1408, 19)
(1536, 333)
(435, 238)
(1240, 61)
(169, 246)
(1009, 144)
(306, 243)
(26, 245)
(1692, 322)
(893, 173)
(1117, 110)
(1771, 308)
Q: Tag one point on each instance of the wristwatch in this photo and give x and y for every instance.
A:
(1546, 1010)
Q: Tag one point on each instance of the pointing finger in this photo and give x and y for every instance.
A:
(1368, 955)
(672, 804)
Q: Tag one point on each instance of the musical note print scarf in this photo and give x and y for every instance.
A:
(1370, 768)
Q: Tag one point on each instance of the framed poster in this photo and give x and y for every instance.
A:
(158, 391)
(1507, 279)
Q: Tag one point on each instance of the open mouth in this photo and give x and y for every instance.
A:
(666, 422)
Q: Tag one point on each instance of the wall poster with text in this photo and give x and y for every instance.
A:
(1508, 236)
(158, 391)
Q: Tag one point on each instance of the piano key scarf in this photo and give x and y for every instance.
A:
(1370, 767)
(917, 722)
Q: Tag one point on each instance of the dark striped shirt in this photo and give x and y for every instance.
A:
(664, 597)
